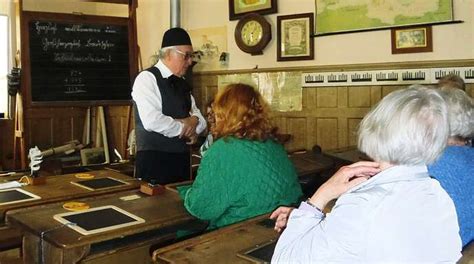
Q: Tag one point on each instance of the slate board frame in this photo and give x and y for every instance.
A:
(129, 220)
(27, 89)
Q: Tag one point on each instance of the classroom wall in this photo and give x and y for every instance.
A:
(450, 42)
(330, 115)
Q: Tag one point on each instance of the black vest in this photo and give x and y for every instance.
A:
(176, 103)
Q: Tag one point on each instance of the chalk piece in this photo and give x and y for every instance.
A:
(130, 197)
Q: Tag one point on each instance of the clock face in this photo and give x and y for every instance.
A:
(252, 33)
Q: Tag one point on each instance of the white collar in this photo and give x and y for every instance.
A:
(165, 71)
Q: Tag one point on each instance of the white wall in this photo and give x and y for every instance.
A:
(450, 42)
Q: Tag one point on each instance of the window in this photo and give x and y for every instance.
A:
(4, 54)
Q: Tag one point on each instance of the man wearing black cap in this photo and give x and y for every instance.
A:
(166, 116)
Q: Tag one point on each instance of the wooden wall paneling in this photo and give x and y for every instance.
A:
(342, 96)
(312, 135)
(116, 119)
(297, 128)
(327, 97)
(342, 132)
(198, 91)
(388, 89)
(310, 99)
(78, 127)
(61, 130)
(280, 122)
(352, 128)
(375, 94)
(359, 96)
(6, 144)
(39, 133)
(327, 133)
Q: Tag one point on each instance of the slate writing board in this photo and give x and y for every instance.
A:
(78, 58)
(16, 195)
(99, 219)
(261, 253)
(95, 184)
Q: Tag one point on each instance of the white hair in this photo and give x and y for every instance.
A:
(461, 112)
(407, 127)
(162, 53)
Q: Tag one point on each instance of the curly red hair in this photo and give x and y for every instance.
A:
(241, 111)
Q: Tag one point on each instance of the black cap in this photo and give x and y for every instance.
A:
(175, 37)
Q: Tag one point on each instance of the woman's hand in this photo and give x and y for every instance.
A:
(281, 215)
(343, 180)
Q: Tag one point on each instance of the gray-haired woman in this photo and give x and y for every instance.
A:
(389, 210)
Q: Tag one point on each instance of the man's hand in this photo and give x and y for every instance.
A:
(189, 126)
(281, 214)
(343, 180)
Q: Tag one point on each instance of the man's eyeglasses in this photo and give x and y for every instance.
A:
(186, 55)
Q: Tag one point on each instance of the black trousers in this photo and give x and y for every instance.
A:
(159, 167)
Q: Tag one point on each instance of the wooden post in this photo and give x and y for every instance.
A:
(18, 138)
(86, 135)
(101, 131)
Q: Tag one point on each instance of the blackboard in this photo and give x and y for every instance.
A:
(77, 58)
(261, 253)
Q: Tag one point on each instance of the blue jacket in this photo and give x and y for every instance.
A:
(455, 172)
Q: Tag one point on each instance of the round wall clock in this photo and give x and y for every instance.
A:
(252, 33)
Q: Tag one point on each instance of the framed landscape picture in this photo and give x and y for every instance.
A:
(294, 41)
(239, 8)
(412, 39)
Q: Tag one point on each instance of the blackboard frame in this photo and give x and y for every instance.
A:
(28, 16)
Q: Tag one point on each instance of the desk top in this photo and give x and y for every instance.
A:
(60, 188)
(158, 211)
(219, 246)
(349, 154)
(308, 163)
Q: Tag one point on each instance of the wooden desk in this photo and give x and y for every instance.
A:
(348, 154)
(59, 188)
(219, 246)
(310, 164)
(163, 215)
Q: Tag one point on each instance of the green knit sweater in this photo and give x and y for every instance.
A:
(239, 179)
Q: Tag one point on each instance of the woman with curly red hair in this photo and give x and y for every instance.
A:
(245, 172)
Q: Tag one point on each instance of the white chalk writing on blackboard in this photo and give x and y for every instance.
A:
(97, 43)
(45, 28)
(74, 89)
(63, 57)
(74, 83)
(57, 43)
(110, 30)
(81, 28)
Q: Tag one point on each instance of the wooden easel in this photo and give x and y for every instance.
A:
(18, 136)
(101, 131)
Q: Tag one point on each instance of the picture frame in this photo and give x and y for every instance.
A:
(294, 41)
(239, 8)
(412, 39)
